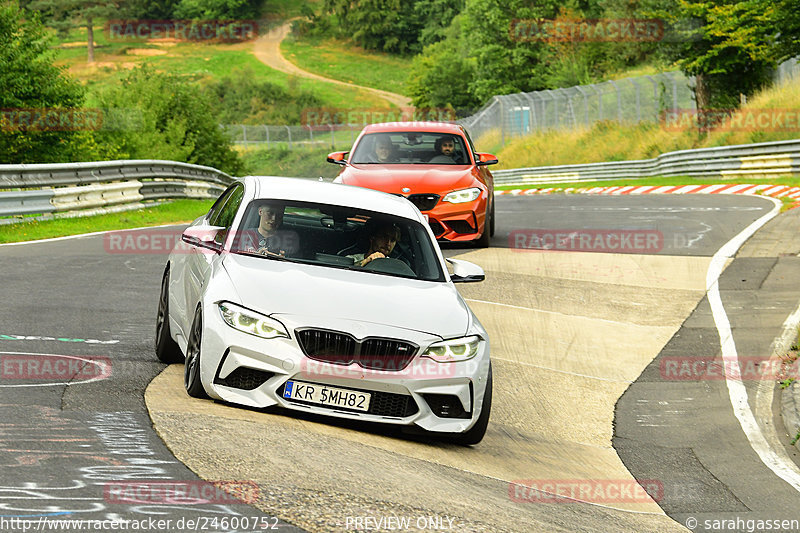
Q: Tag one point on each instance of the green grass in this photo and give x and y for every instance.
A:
(177, 211)
(609, 141)
(299, 162)
(345, 62)
(195, 61)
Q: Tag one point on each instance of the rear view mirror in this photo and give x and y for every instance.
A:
(465, 272)
(203, 236)
(485, 159)
(339, 158)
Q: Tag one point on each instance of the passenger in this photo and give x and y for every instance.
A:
(383, 237)
(446, 151)
(269, 239)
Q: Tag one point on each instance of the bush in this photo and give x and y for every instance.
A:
(171, 119)
(242, 99)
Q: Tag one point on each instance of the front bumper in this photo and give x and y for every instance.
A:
(459, 222)
(244, 369)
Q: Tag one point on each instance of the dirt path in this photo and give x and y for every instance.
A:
(267, 49)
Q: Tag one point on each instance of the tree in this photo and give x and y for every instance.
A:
(31, 84)
(172, 119)
(218, 9)
(430, 82)
(385, 25)
(732, 48)
(64, 15)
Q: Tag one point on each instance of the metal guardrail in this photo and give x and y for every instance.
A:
(86, 187)
(762, 160)
(83, 188)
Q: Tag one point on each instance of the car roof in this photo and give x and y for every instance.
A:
(308, 190)
(435, 127)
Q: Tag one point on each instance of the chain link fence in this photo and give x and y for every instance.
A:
(629, 100)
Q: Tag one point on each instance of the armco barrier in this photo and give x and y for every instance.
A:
(89, 187)
(78, 187)
(763, 160)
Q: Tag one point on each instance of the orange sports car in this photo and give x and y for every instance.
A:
(432, 164)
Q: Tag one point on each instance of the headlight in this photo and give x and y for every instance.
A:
(453, 350)
(465, 195)
(251, 322)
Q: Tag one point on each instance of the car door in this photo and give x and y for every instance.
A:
(199, 260)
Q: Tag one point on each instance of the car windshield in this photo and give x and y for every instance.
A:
(411, 147)
(338, 237)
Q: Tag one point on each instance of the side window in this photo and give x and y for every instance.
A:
(213, 213)
(228, 213)
(470, 145)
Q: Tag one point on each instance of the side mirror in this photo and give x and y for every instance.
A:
(465, 272)
(339, 158)
(202, 236)
(485, 159)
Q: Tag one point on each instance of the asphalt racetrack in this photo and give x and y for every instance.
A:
(582, 406)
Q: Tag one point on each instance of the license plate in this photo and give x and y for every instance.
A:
(325, 395)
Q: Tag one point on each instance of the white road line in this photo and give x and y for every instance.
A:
(104, 371)
(81, 235)
(779, 463)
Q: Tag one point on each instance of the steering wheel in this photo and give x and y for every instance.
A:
(389, 265)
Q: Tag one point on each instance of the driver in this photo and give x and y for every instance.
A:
(383, 236)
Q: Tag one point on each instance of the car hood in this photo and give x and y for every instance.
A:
(419, 178)
(317, 295)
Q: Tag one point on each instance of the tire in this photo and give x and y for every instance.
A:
(483, 240)
(191, 367)
(491, 221)
(475, 434)
(167, 350)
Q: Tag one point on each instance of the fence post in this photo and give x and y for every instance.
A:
(290, 136)
(266, 129)
(502, 123)
(585, 104)
(534, 116)
(638, 100)
(619, 101)
(244, 134)
(333, 137)
(656, 110)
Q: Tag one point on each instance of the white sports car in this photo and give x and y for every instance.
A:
(329, 299)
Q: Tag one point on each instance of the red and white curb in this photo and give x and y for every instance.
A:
(775, 191)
